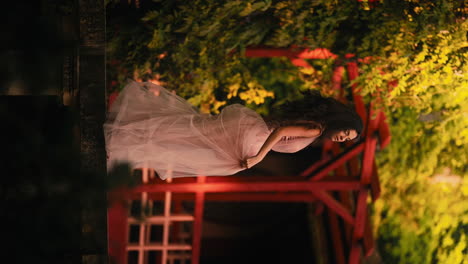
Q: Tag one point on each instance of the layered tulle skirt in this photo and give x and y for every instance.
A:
(149, 127)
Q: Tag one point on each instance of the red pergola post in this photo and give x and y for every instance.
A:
(352, 69)
(344, 196)
(117, 232)
(361, 214)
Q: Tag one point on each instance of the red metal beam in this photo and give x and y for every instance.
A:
(337, 78)
(261, 197)
(247, 186)
(355, 254)
(248, 179)
(353, 166)
(361, 214)
(358, 101)
(368, 240)
(368, 159)
(332, 165)
(232, 179)
(237, 197)
(237, 179)
(335, 206)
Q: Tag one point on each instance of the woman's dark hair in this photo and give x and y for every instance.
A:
(316, 111)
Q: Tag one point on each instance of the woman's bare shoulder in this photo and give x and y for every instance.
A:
(299, 131)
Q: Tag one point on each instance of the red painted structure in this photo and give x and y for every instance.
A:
(340, 183)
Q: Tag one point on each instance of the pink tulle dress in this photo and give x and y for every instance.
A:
(149, 127)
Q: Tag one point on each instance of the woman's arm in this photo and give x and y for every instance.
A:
(275, 136)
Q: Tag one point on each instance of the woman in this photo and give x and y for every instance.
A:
(149, 127)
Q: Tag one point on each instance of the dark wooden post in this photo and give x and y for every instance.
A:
(92, 107)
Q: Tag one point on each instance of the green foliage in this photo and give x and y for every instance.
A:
(197, 48)
(419, 79)
(423, 222)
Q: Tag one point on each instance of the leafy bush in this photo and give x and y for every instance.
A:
(198, 48)
(417, 77)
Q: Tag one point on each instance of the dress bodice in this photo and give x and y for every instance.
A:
(290, 144)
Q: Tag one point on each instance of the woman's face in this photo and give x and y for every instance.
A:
(344, 135)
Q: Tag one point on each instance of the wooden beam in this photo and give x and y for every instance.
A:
(368, 242)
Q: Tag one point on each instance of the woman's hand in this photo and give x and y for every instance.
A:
(250, 162)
